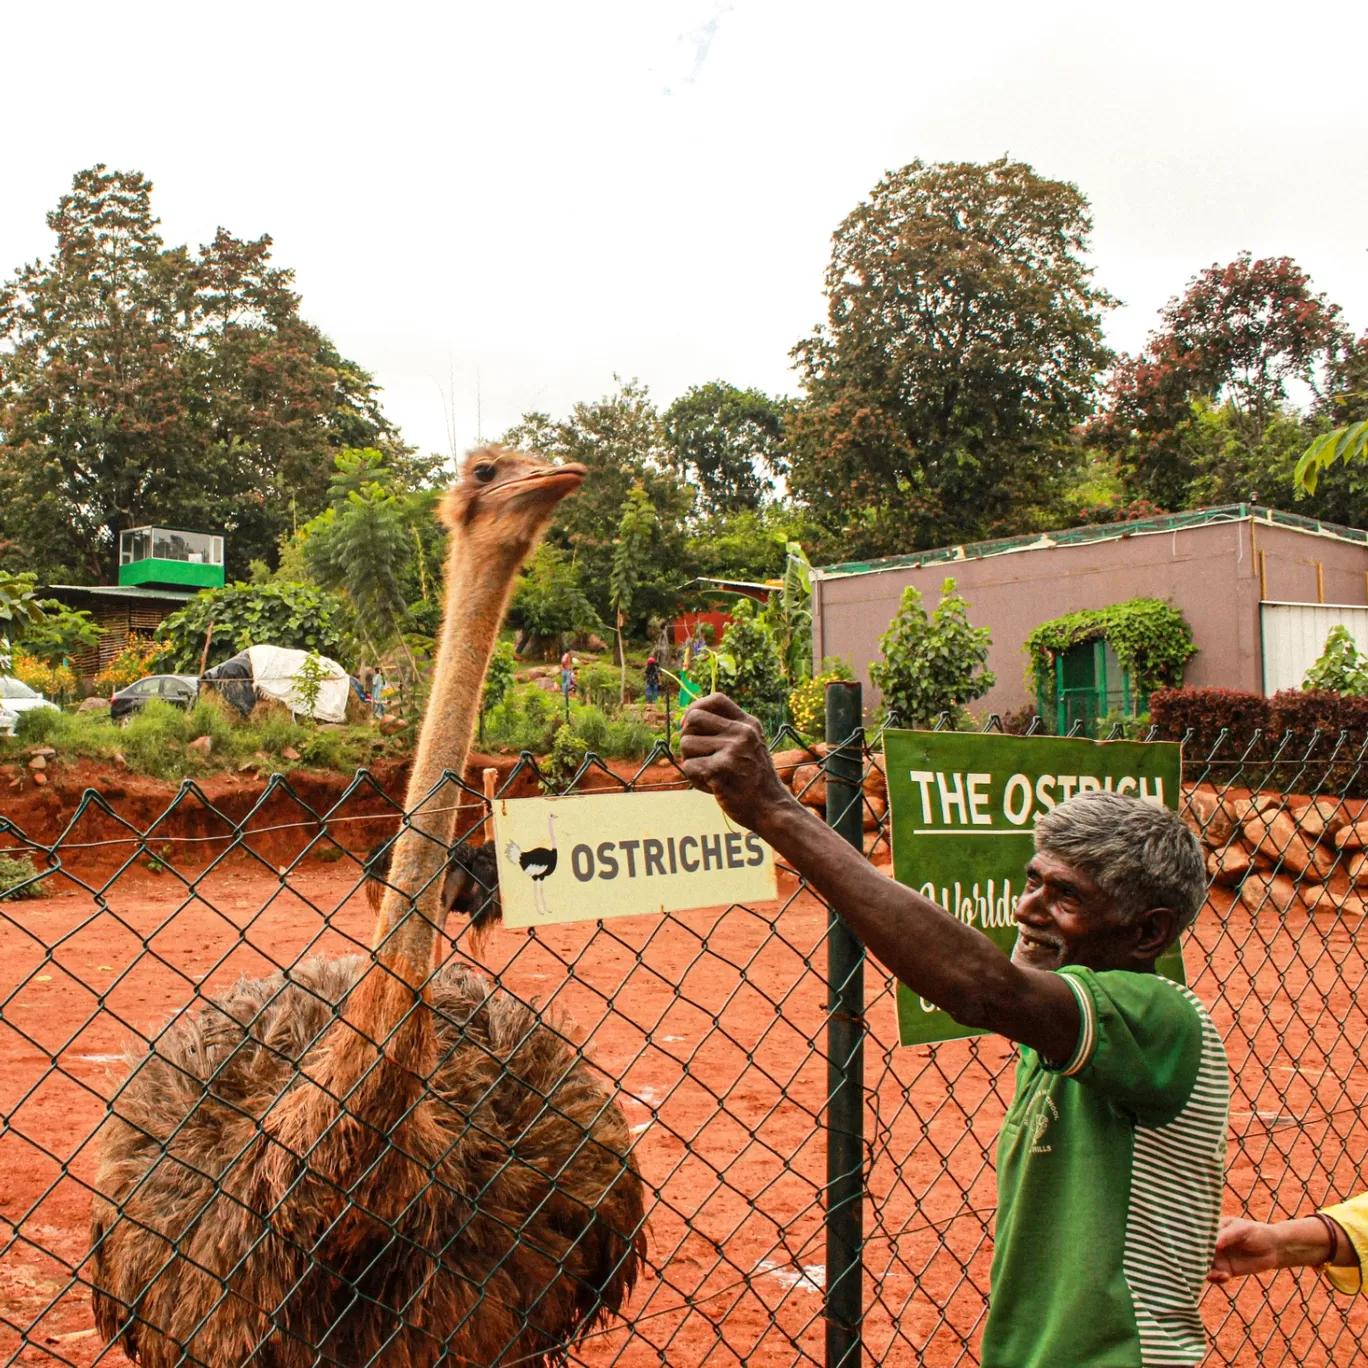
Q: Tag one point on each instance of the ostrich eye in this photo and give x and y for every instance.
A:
(485, 471)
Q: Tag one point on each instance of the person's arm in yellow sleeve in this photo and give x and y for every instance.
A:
(1352, 1219)
(1336, 1239)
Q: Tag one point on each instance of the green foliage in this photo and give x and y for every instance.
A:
(601, 685)
(523, 720)
(932, 665)
(754, 671)
(567, 755)
(1340, 669)
(498, 678)
(621, 439)
(297, 616)
(549, 600)
(308, 681)
(788, 615)
(1151, 638)
(1346, 444)
(807, 703)
(729, 443)
(18, 878)
(367, 547)
(963, 344)
(631, 556)
(1234, 339)
(19, 609)
(146, 383)
(63, 633)
(156, 738)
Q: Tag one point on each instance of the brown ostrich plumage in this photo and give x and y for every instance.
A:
(364, 1161)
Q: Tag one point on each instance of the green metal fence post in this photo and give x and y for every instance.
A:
(844, 1307)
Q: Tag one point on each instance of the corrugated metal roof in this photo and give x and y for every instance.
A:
(1095, 532)
(116, 591)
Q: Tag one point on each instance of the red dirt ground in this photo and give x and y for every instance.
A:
(713, 1026)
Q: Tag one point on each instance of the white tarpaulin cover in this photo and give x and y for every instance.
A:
(274, 671)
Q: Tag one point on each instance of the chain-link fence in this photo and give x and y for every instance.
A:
(685, 1063)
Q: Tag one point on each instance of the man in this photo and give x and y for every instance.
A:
(652, 679)
(1110, 1158)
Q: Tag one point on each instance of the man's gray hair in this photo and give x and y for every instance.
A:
(1139, 854)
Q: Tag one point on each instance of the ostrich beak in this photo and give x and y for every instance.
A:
(544, 484)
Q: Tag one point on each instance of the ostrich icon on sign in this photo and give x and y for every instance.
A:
(537, 864)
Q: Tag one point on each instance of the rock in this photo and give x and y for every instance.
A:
(202, 745)
(1352, 836)
(875, 809)
(1262, 893)
(93, 704)
(1321, 899)
(1322, 818)
(391, 725)
(1358, 871)
(874, 781)
(44, 751)
(1229, 866)
(1242, 809)
(1274, 833)
(39, 762)
(39, 777)
(289, 753)
(120, 759)
(1209, 817)
(809, 786)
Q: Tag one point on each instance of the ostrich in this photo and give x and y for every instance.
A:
(363, 1161)
(536, 864)
(470, 885)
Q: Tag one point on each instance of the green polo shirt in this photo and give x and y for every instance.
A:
(1110, 1171)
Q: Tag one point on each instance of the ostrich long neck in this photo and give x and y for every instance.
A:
(370, 1065)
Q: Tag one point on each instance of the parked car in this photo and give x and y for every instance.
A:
(180, 690)
(17, 697)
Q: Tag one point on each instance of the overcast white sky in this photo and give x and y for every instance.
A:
(549, 193)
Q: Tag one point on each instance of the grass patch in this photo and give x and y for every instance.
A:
(156, 740)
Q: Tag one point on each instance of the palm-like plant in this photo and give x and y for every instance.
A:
(1342, 444)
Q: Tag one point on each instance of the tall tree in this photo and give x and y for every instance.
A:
(963, 341)
(1235, 338)
(729, 442)
(145, 383)
(620, 438)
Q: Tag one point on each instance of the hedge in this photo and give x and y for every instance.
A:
(1283, 755)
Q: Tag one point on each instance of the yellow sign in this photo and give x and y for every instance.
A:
(592, 856)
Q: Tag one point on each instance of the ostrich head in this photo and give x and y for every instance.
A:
(504, 500)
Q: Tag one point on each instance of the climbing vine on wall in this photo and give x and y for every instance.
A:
(1151, 639)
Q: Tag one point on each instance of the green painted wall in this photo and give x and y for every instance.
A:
(193, 574)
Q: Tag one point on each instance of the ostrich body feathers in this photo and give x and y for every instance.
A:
(500, 1220)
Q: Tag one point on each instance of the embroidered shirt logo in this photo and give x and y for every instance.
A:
(1041, 1124)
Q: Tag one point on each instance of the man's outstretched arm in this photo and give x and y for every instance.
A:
(934, 954)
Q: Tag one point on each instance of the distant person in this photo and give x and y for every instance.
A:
(652, 678)
(567, 675)
(378, 692)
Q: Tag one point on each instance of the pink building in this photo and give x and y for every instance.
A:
(1260, 589)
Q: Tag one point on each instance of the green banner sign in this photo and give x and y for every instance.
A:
(962, 808)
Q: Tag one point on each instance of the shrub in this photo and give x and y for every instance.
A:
(52, 681)
(807, 703)
(523, 721)
(15, 877)
(756, 678)
(298, 616)
(138, 658)
(932, 665)
(567, 755)
(1340, 669)
(1205, 713)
